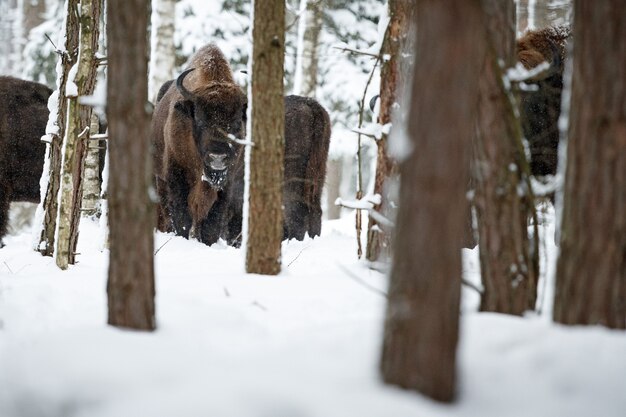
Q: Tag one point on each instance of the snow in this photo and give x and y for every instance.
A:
(303, 344)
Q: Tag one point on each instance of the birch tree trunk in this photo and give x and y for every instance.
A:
(55, 132)
(130, 286)
(508, 254)
(309, 28)
(265, 188)
(591, 269)
(162, 49)
(82, 81)
(421, 326)
(391, 81)
(91, 177)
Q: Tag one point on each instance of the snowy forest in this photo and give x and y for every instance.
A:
(312, 208)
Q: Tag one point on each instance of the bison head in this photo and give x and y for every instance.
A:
(218, 115)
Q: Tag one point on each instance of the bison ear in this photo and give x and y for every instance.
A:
(185, 107)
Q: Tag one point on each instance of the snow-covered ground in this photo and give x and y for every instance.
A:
(302, 344)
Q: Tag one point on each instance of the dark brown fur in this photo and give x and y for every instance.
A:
(540, 109)
(23, 118)
(307, 139)
(187, 132)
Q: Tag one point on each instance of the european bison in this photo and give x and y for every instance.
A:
(23, 118)
(540, 109)
(194, 156)
(307, 138)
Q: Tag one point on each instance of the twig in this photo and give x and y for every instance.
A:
(357, 51)
(361, 282)
(255, 303)
(161, 247)
(297, 256)
(8, 267)
(226, 293)
(232, 138)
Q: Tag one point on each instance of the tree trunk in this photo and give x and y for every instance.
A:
(391, 81)
(91, 180)
(77, 135)
(591, 269)
(162, 50)
(265, 213)
(130, 287)
(309, 28)
(333, 187)
(55, 132)
(508, 255)
(421, 327)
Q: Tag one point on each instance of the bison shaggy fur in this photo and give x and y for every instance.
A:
(23, 118)
(307, 139)
(194, 159)
(541, 104)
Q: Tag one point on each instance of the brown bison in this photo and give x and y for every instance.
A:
(194, 156)
(541, 104)
(23, 118)
(307, 138)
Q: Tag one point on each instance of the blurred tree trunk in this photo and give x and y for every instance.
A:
(265, 214)
(503, 199)
(132, 219)
(421, 327)
(333, 187)
(391, 82)
(55, 132)
(77, 135)
(309, 28)
(91, 176)
(591, 269)
(162, 49)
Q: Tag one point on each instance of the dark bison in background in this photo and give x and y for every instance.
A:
(23, 119)
(307, 138)
(194, 159)
(540, 109)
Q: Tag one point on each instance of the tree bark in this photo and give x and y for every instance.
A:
(55, 134)
(162, 50)
(591, 269)
(91, 177)
(391, 81)
(421, 327)
(309, 28)
(508, 254)
(265, 214)
(77, 135)
(130, 286)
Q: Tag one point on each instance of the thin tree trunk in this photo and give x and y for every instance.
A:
(309, 28)
(91, 180)
(77, 135)
(508, 254)
(591, 269)
(333, 187)
(55, 132)
(130, 286)
(391, 81)
(265, 213)
(421, 327)
(162, 49)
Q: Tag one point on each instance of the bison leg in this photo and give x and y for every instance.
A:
(4, 211)
(164, 219)
(178, 192)
(295, 214)
(213, 224)
(315, 218)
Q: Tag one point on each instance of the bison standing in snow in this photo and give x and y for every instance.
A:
(307, 139)
(23, 118)
(194, 155)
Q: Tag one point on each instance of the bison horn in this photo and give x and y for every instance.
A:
(179, 84)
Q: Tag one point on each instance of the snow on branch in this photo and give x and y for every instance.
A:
(346, 48)
(374, 130)
(519, 74)
(368, 203)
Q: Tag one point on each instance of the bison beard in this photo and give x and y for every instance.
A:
(307, 138)
(194, 158)
(540, 109)
(23, 118)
